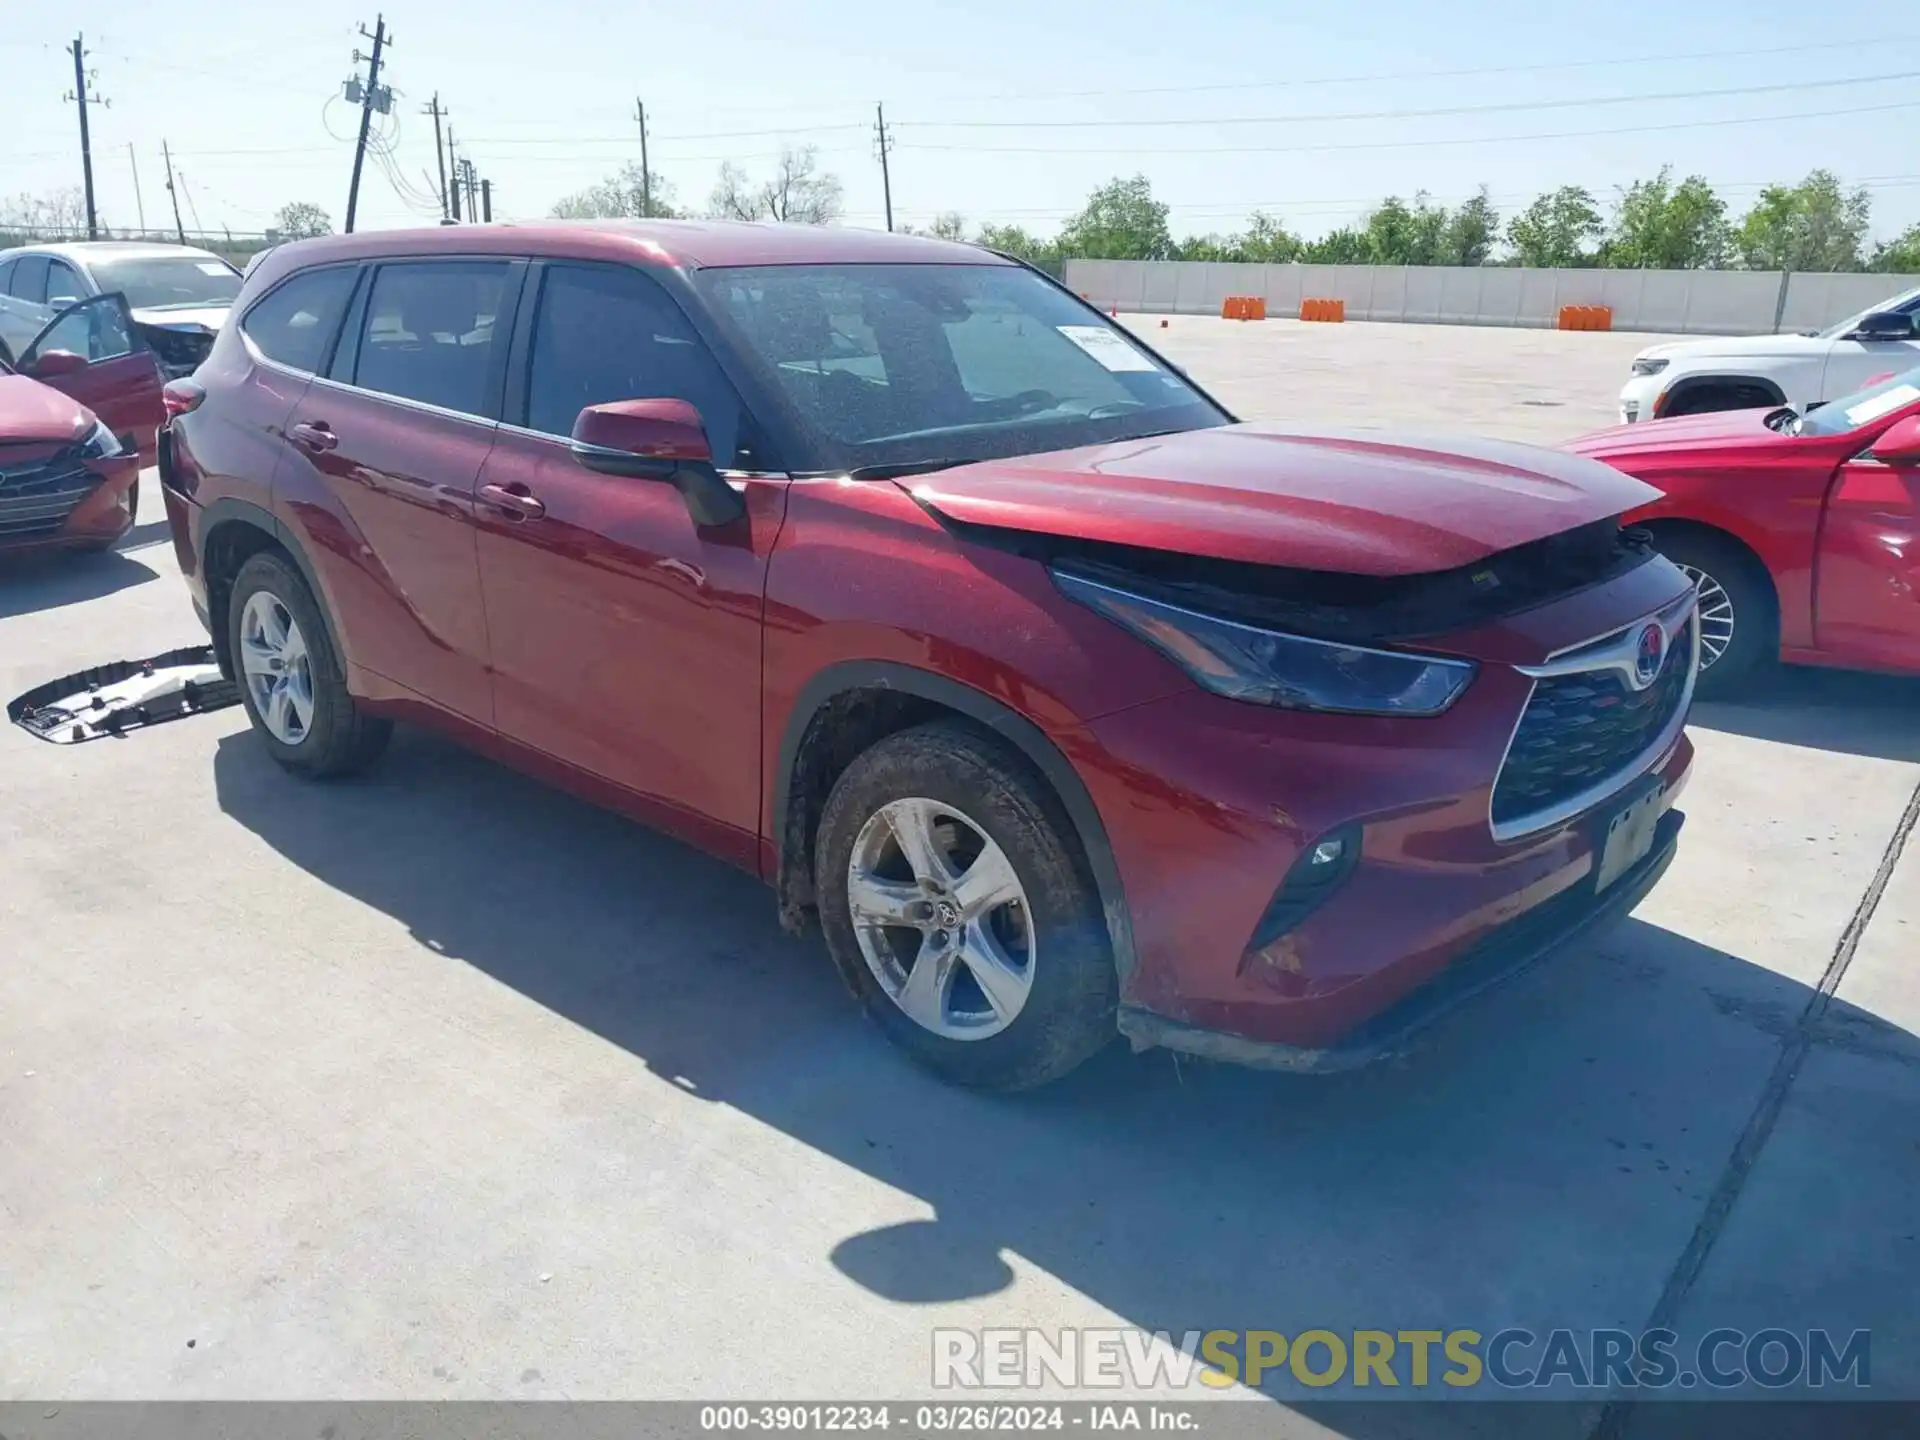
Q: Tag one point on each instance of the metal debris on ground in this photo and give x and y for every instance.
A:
(125, 695)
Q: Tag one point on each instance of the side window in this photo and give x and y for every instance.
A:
(294, 323)
(430, 333)
(64, 286)
(30, 279)
(606, 333)
(98, 330)
(6, 276)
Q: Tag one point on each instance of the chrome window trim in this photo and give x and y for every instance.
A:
(1611, 651)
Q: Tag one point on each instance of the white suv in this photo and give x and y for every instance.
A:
(1686, 377)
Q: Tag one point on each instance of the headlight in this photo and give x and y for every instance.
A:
(1267, 667)
(101, 444)
(1649, 366)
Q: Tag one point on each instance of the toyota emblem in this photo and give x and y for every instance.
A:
(1649, 654)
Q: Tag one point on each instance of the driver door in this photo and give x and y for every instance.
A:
(119, 380)
(1853, 364)
(1868, 605)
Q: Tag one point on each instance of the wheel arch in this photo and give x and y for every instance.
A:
(809, 762)
(232, 531)
(1689, 384)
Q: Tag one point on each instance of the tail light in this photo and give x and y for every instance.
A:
(182, 396)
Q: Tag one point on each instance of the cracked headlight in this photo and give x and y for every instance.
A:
(1270, 667)
(101, 444)
(1649, 366)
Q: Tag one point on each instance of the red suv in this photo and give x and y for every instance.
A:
(886, 569)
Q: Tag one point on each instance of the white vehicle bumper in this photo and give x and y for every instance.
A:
(1637, 397)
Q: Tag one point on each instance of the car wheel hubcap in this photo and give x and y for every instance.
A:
(1716, 615)
(942, 920)
(274, 659)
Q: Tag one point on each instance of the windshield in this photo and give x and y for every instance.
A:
(1862, 407)
(896, 366)
(169, 282)
(1906, 303)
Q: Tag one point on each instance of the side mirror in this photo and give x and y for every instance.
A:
(1899, 443)
(52, 364)
(1884, 325)
(657, 440)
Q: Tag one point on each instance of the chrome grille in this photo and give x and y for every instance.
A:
(36, 497)
(1586, 731)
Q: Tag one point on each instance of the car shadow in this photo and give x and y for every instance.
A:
(1846, 711)
(153, 532)
(1542, 1159)
(31, 583)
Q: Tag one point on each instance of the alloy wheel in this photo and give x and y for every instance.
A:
(941, 918)
(278, 669)
(1716, 615)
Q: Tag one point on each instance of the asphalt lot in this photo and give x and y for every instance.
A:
(440, 1085)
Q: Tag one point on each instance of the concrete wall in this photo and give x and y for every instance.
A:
(1702, 302)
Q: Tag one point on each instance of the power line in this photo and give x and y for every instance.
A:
(1406, 144)
(1500, 107)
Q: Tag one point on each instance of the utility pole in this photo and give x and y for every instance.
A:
(370, 98)
(886, 144)
(80, 96)
(173, 194)
(140, 206)
(646, 173)
(486, 201)
(453, 179)
(439, 155)
(472, 186)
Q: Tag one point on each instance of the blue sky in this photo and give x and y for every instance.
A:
(989, 99)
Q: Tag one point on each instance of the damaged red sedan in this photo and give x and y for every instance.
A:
(890, 571)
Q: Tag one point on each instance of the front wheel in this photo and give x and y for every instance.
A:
(962, 917)
(1739, 612)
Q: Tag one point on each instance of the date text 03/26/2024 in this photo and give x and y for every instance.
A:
(945, 1417)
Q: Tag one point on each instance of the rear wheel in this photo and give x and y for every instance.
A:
(1739, 612)
(291, 682)
(957, 909)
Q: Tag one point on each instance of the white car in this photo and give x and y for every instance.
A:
(1687, 377)
(178, 295)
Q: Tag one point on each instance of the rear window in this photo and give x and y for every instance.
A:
(294, 325)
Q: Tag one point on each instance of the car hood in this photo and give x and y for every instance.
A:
(1715, 430)
(1345, 502)
(1737, 347)
(30, 411)
(209, 317)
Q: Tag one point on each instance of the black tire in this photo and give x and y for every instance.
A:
(1755, 643)
(1069, 1010)
(342, 739)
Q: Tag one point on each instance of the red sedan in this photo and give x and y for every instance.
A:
(1803, 531)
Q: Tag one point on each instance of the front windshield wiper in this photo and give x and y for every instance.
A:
(898, 469)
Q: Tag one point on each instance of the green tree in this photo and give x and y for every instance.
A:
(951, 225)
(1658, 225)
(1121, 221)
(1901, 255)
(1472, 231)
(302, 220)
(1012, 240)
(627, 194)
(1268, 241)
(1815, 225)
(1345, 246)
(1556, 230)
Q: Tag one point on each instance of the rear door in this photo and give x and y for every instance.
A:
(626, 638)
(386, 447)
(121, 381)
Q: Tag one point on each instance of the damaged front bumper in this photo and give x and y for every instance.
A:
(125, 695)
(1497, 958)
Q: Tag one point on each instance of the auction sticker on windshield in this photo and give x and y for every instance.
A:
(1107, 347)
(1875, 406)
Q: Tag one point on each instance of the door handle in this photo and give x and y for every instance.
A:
(313, 435)
(513, 500)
